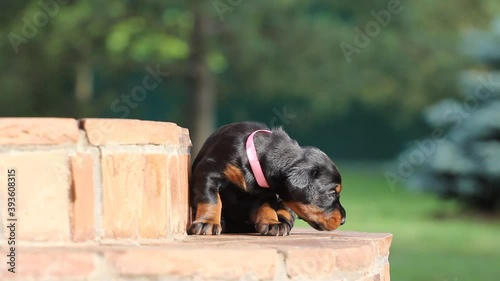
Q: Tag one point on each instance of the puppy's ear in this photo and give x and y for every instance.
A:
(299, 177)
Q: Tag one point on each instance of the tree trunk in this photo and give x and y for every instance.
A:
(202, 99)
(84, 85)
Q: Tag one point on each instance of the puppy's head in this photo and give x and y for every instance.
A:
(313, 190)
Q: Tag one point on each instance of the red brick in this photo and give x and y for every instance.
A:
(83, 214)
(178, 167)
(208, 262)
(26, 131)
(375, 277)
(355, 257)
(48, 264)
(127, 131)
(185, 139)
(134, 195)
(310, 263)
(42, 197)
(352, 234)
(386, 272)
(383, 245)
(382, 240)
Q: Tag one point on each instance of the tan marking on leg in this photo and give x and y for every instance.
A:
(209, 213)
(285, 214)
(235, 176)
(265, 214)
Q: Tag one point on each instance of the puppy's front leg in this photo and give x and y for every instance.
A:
(285, 215)
(208, 209)
(268, 222)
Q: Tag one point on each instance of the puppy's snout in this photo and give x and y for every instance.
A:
(343, 214)
(342, 221)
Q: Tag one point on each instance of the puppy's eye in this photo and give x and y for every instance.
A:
(314, 172)
(331, 194)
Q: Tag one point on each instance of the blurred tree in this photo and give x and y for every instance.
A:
(465, 163)
(202, 98)
(63, 43)
(76, 58)
(301, 42)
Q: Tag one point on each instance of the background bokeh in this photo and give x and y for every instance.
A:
(401, 94)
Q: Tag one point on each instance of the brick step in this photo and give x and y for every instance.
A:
(305, 255)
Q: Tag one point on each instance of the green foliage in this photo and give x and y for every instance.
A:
(116, 37)
(272, 50)
(411, 63)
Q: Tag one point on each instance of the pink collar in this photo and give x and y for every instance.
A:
(254, 160)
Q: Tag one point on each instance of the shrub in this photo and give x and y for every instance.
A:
(466, 162)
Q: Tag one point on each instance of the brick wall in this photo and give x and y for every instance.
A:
(107, 199)
(95, 179)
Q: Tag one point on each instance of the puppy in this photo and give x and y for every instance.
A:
(248, 179)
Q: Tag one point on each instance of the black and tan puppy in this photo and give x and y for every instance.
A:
(226, 196)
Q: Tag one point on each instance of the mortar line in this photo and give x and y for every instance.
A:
(281, 272)
(144, 149)
(71, 190)
(137, 148)
(98, 195)
(168, 198)
(36, 148)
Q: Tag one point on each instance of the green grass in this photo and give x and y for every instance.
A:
(424, 247)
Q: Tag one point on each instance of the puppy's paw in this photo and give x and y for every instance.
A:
(274, 229)
(204, 228)
(285, 216)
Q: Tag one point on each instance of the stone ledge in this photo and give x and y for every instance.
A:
(305, 255)
(32, 131)
(125, 131)
(43, 131)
